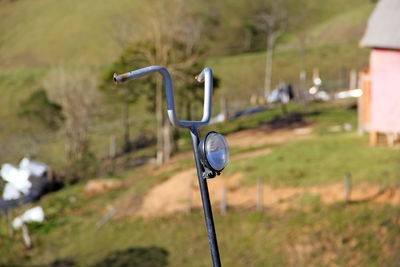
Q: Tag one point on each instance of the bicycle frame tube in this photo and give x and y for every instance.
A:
(205, 198)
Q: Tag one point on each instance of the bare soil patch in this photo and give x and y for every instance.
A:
(181, 193)
(264, 136)
(253, 153)
(100, 186)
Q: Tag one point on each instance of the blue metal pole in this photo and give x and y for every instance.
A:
(212, 236)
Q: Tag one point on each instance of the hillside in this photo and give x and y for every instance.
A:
(45, 33)
(304, 221)
(292, 160)
(331, 46)
(40, 35)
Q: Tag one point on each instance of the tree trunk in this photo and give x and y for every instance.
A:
(159, 116)
(268, 67)
(247, 40)
(168, 143)
(189, 110)
(224, 108)
(303, 74)
(26, 237)
(125, 121)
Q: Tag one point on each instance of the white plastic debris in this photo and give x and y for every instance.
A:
(17, 223)
(35, 167)
(18, 178)
(347, 127)
(348, 94)
(35, 214)
(273, 96)
(322, 96)
(10, 192)
(301, 131)
(219, 118)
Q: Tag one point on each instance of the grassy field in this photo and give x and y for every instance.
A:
(343, 235)
(317, 234)
(355, 235)
(331, 46)
(45, 33)
(323, 160)
(243, 75)
(30, 47)
(312, 233)
(326, 158)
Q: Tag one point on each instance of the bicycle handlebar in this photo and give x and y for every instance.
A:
(205, 76)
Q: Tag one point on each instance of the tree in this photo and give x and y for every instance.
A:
(272, 20)
(39, 107)
(126, 93)
(171, 39)
(76, 93)
(298, 24)
(174, 33)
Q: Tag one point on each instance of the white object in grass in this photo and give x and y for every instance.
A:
(18, 178)
(35, 214)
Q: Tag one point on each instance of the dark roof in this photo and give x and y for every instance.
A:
(383, 30)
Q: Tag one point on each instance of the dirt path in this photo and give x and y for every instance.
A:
(259, 136)
(181, 193)
(252, 153)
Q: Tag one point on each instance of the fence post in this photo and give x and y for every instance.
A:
(9, 222)
(190, 187)
(360, 115)
(390, 139)
(113, 146)
(26, 237)
(223, 201)
(224, 108)
(373, 138)
(347, 188)
(353, 79)
(260, 194)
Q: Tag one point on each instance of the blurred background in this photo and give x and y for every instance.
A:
(306, 93)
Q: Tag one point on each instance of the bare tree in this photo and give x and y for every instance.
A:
(76, 93)
(272, 20)
(302, 38)
(298, 25)
(173, 32)
(165, 34)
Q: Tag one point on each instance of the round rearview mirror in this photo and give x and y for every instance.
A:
(214, 152)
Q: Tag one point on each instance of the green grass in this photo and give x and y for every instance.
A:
(363, 235)
(252, 121)
(44, 32)
(243, 75)
(323, 160)
(38, 36)
(47, 33)
(347, 25)
(331, 46)
(344, 27)
(318, 234)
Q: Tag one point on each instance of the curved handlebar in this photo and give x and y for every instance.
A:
(205, 76)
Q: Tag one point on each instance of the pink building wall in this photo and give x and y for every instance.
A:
(385, 95)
